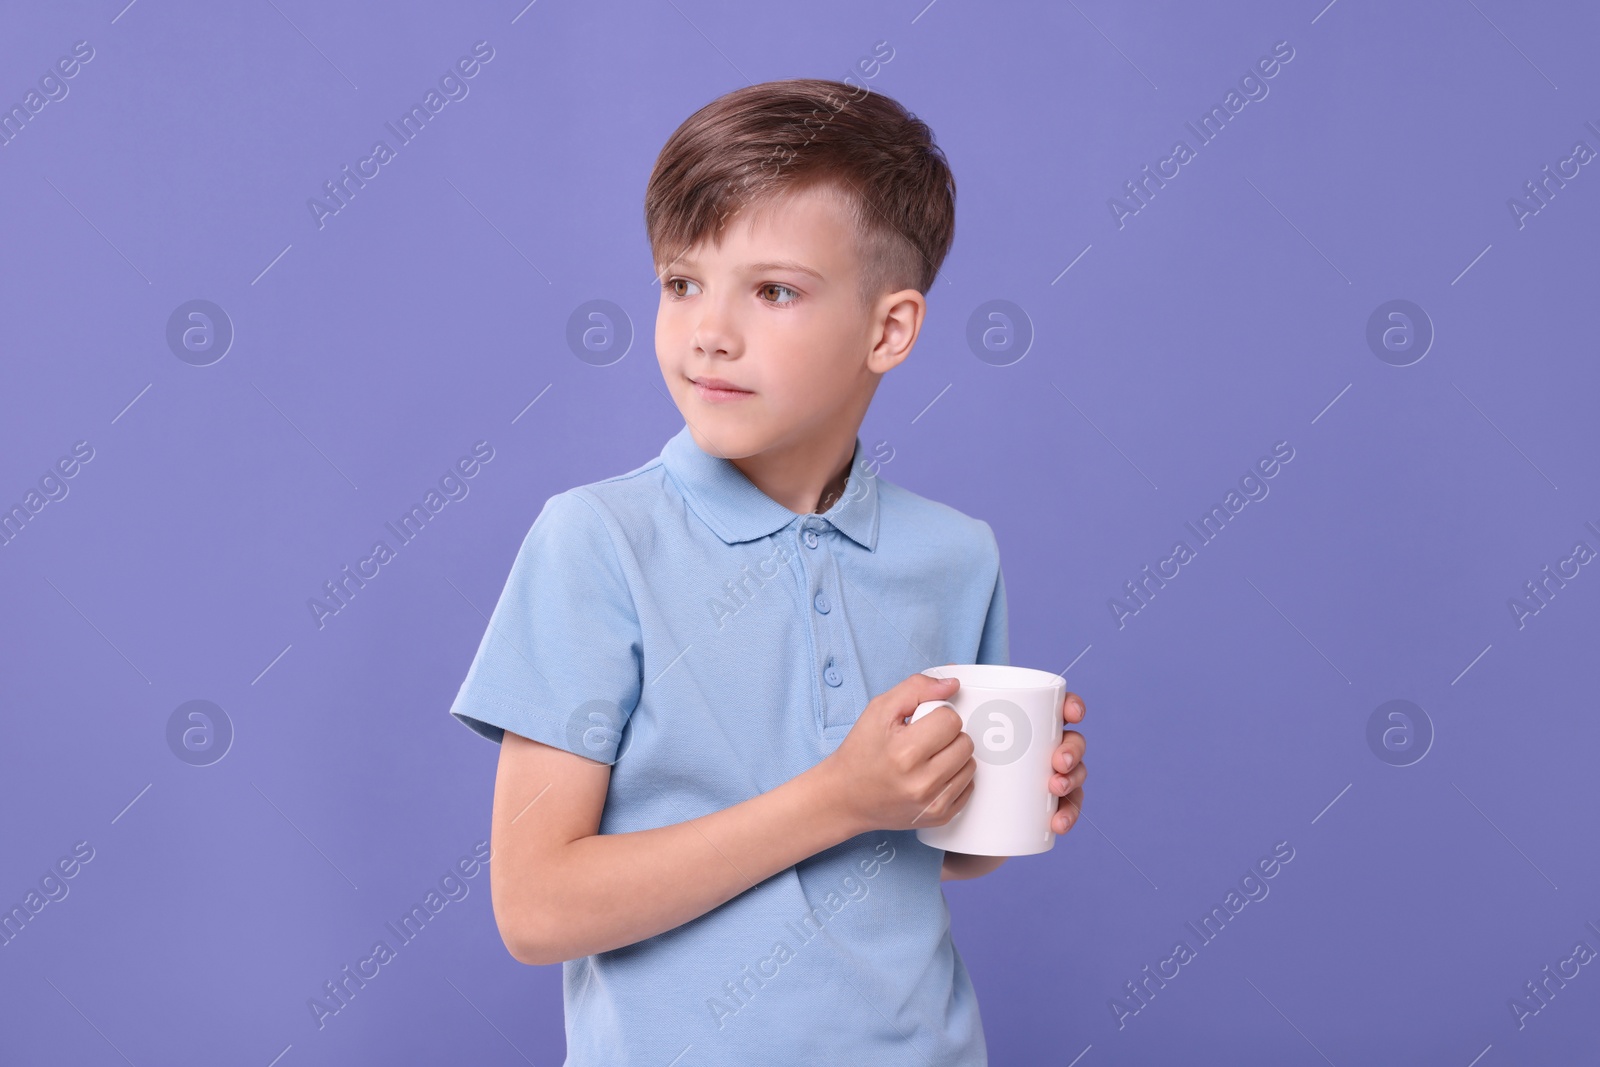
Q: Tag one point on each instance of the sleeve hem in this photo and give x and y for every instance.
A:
(490, 715)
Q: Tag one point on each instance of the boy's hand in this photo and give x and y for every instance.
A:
(888, 774)
(1067, 760)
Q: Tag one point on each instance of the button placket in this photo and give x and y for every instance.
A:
(829, 640)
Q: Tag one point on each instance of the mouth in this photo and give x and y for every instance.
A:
(717, 390)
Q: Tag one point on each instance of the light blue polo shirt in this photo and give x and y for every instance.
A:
(711, 644)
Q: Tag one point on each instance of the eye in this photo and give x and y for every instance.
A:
(774, 285)
(670, 287)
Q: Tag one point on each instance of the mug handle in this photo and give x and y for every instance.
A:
(928, 705)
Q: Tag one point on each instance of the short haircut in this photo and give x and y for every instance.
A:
(759, 144)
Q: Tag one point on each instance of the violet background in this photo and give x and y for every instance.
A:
(1229, 314)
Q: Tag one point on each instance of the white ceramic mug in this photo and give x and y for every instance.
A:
(1014, 717)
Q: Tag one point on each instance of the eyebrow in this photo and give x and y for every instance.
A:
(754, 268)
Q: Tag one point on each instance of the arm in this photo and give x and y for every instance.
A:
(959, 865)
(562, 890)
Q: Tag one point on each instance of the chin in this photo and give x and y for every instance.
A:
(727, 440)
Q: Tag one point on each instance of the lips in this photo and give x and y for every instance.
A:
(719, 391)
(718, 384)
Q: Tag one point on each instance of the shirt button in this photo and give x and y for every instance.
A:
(811, 538)
(821, 602)
(832, 676)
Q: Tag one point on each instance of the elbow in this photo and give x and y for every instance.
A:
(530, 947)
(529, 937)
(534, 914)
(535, 943)
(528, 954)
(522, 948)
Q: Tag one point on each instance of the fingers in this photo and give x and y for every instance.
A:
(1063, 784)
(901, 701)
(936, 739)
(955, 756)
(961, 787)
(1073, 709)
(936, 730)
(962, 798)
(1069, 753)
(1067, 812)
(951, 797)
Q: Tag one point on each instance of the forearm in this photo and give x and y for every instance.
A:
(959, 865)
(609, 890)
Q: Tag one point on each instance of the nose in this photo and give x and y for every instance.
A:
(715, 330)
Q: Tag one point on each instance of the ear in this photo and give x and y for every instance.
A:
(899, 318)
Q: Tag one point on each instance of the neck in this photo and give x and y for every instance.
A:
(806, 479)
(834, 491)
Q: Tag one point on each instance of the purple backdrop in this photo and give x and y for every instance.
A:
(217, 395)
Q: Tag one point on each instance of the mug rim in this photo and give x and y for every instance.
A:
(993, 676)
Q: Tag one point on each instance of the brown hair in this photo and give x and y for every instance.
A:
(757, 144)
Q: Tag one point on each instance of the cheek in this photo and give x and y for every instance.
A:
(666, 347)
(822, 354)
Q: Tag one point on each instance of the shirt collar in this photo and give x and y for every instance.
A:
(736, 510)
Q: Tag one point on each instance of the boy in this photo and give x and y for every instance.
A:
(707, 796)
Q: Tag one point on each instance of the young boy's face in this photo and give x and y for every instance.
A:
(775, 312)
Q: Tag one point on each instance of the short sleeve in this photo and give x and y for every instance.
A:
(995, 644)
(561, 661)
